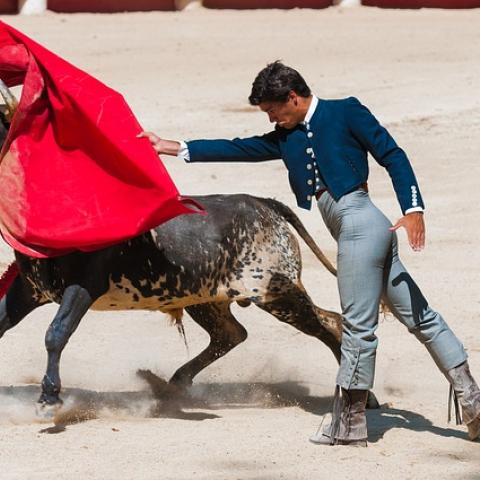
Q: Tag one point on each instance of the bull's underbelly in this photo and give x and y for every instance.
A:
(125, 296)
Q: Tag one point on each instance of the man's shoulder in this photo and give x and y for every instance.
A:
(340, 102)
(336, 108)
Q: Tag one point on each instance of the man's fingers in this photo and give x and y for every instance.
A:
(420, 235)
(150, 135)
(145, 135)
(421, 240)
(396, 226)
(418, 240)
(411, 239)
(416, 244)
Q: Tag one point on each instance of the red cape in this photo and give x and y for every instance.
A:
(73, 175)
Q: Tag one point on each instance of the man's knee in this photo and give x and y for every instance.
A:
(426, 325)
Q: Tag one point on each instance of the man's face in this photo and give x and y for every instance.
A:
(286, 114)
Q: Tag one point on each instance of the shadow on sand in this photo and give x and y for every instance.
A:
(387, 418)
(198, 403)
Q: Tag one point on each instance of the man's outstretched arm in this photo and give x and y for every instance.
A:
(252, 149)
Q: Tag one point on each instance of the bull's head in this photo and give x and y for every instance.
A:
(7, 111)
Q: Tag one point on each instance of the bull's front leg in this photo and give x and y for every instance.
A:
(17, 304)
(75, 303)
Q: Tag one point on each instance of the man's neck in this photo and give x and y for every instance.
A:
(305, 105)
(312, 102)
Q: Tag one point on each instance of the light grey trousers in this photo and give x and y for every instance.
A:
(369, 268)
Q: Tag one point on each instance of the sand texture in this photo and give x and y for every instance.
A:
(188, 75)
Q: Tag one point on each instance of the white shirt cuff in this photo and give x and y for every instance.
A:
(413, 209)
(183, 153)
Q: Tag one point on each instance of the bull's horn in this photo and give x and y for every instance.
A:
(9, 99)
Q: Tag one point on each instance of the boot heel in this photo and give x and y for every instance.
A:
(468, 395)
(349, 423)
(474, 429)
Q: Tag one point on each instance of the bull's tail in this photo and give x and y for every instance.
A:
(176, 319)
(295, 222)
(7, 278)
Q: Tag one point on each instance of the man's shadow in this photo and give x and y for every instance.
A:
(386, 418)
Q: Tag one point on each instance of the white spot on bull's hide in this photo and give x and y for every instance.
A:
(116, 295)
(154, 234)
(37, 294)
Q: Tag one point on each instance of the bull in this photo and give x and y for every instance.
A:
(243, 251)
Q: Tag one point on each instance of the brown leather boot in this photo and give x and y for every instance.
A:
(468, 395)
(349, 423)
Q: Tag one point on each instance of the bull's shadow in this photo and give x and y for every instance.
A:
(161, 400)
(18, 405)
(165, 401)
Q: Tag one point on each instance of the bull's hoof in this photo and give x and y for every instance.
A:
(161, 389)
(182, 386)
(182, 382)
(48, 411)
(372, 402)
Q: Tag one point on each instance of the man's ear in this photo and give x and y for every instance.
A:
(294, 97)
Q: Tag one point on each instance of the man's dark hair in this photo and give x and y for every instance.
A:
(274, 83)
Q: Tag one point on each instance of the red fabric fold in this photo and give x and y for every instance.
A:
(73, 175)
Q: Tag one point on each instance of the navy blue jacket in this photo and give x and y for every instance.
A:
(339, 136)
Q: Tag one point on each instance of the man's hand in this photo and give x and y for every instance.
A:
(415, 227)
(166, 147)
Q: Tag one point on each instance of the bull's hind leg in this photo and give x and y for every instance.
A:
(75, 303)
(294, 306)
(19, 301)
(297, 309)
(225, 333)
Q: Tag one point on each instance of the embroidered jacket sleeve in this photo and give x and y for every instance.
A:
(252, 149)
(376, 139)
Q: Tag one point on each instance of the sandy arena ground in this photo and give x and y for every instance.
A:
(187, 75)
